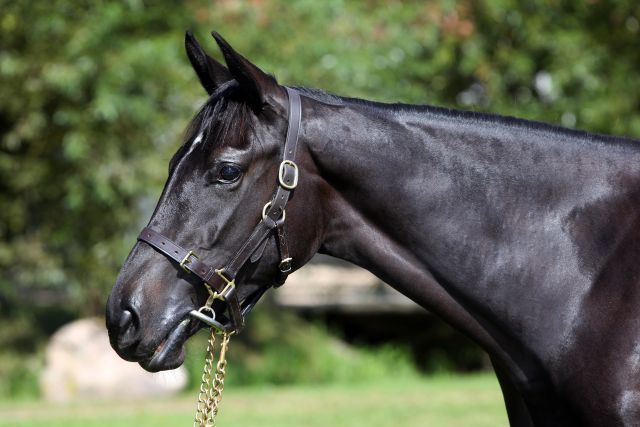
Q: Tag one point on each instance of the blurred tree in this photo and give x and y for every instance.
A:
(94, 98)
(95, 95)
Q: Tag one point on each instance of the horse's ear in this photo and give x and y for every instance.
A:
(260, 87)
(210, 72)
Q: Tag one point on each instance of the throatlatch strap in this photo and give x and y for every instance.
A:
(288, 171)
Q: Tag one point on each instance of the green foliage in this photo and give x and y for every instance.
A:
(19, 375)
(280, 348)
(87, 91)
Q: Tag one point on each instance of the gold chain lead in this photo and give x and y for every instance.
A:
(211, 387)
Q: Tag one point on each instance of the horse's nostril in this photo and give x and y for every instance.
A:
(124, 326)
(128, 329)
(125, 319)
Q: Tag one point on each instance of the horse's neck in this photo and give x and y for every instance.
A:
(425, 182)
(467, 200)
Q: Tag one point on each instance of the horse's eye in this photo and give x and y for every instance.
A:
(229, 173)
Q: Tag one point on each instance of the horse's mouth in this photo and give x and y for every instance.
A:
(171, 353)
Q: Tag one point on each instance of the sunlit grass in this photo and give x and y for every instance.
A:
(449, 401)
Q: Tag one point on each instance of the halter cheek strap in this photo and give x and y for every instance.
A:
(220, 282)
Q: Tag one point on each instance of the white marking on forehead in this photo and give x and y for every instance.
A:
(194, 144)
(198, 139)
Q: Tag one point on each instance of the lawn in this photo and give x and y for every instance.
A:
(450, 401)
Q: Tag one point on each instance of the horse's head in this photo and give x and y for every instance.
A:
(227, 177)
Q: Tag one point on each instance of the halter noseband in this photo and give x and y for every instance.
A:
(220, 282)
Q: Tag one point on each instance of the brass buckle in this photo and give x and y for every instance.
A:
(285, 265)
(231, 285)
(282, 171)
(186, 261)
(264, 212)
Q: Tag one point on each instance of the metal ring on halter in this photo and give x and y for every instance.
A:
(210, 320)
(264, 212)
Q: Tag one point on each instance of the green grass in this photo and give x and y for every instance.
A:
(472, 400)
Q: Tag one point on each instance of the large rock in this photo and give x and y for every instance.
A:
(80, 363)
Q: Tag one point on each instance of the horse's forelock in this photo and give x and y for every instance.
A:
(223, 119)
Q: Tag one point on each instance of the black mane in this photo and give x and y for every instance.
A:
(453, 114)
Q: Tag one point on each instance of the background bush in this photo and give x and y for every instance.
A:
(281, 348)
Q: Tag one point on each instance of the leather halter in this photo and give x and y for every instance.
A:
(220, 282)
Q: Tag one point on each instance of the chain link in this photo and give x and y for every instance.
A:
(212, 384)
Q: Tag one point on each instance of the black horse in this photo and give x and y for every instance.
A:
(524, 236)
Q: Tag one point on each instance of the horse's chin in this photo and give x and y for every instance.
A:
(170, 353)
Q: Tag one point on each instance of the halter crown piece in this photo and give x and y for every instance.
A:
(220, 282)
